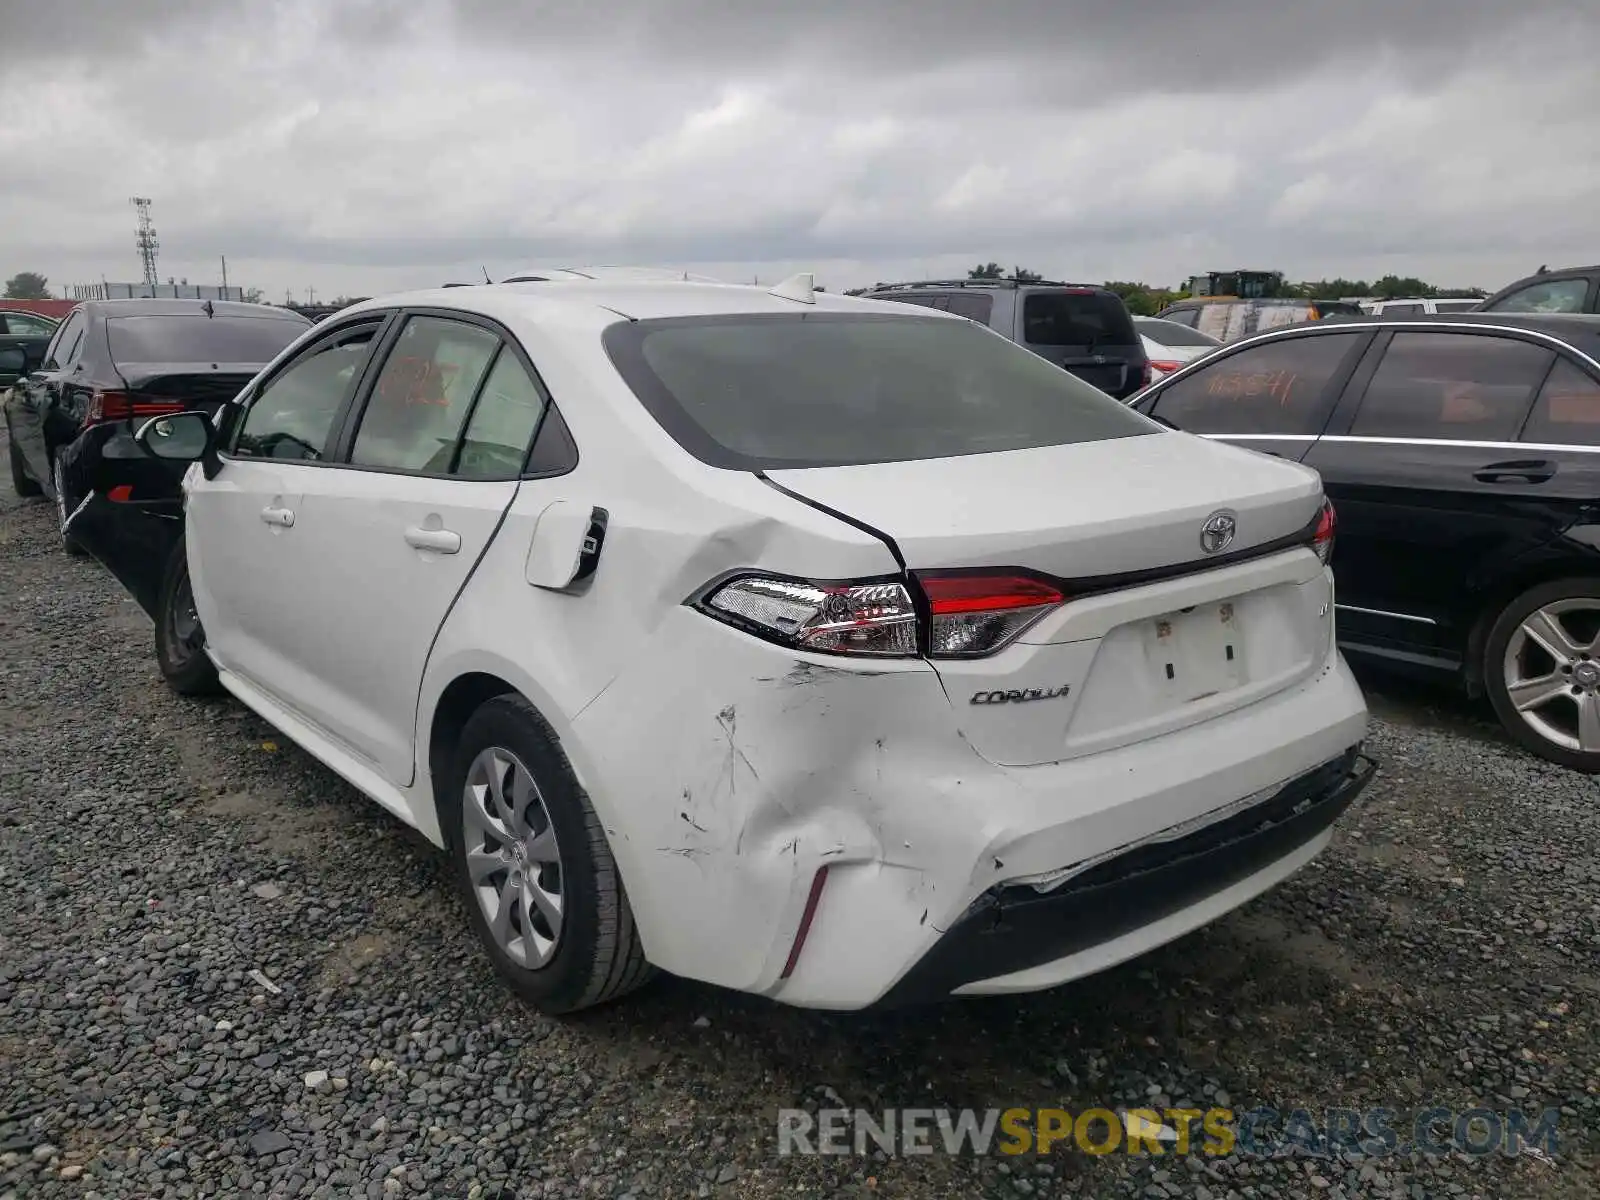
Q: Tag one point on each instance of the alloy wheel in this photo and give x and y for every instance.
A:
(1552, 672)
(513, 858)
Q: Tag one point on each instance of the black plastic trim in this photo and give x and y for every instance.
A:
(1014, 928)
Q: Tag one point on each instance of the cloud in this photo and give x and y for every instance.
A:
(371, 144)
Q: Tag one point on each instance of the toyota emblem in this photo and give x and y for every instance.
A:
(1217, 533)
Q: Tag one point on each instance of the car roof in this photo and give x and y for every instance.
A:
(601, 303)
(184, 308)
(1562, 325)
(1007, 284)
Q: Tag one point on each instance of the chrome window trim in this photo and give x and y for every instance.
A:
(1166, 381)
(1378, 612)
(1548, 447)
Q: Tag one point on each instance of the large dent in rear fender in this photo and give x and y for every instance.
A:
(770, 766)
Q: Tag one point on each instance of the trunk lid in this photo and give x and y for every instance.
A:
(1076, 511)
(1156, 634)
(201, 386)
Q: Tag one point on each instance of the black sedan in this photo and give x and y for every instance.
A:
(25, 331)
(115, 363)
(1462, 455)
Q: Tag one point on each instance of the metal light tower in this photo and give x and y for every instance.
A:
(145, 239)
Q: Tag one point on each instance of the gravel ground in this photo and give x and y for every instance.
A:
(222, 972)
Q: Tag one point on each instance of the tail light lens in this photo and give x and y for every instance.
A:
(968, 614)
(974, 615)
(1327, 527)
(862, 618)
(1164, 366)
(107, 405)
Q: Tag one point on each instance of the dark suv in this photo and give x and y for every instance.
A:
(1080, 327)
(1569, 290)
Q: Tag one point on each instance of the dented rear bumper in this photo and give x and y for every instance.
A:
(777, 766)
(1016, 928)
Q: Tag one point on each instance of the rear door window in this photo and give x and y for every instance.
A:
(1463, 386)
(422, 396)
(64, 348)
(503, 420)
(1085, 319)
(1567, 412)
(1557, 296)
(1183, 316)
(833, 389)
(1279, 387)
(975, 306)
(1399, 310)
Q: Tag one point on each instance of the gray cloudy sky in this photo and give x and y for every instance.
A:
(364, 145)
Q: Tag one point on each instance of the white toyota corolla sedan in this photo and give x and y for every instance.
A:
(823, 648)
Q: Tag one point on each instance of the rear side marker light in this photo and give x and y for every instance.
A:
(806, 917)
(1327, 528)
(120, 494)
(964, 615)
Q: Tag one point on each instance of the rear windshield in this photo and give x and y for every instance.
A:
(1076, 319)
(759, 393)
(198, 338)
(1170, 333)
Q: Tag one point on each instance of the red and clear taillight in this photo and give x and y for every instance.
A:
(1327, 527)
(835, 618)
(964, 614)
(974, 615)
(109, 405)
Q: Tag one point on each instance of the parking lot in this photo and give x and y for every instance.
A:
(224, 972)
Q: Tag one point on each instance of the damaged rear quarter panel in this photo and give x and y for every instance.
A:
(771, 765)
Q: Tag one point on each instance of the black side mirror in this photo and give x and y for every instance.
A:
(13, 365)
(182, 437)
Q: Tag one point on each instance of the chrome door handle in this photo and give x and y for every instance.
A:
(440, 541)
(281, 517)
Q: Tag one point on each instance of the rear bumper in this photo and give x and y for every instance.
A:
(1014, 929)
(774, 767)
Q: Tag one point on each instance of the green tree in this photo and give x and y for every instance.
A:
(988, 270)
(1142, 299)
(1023, 275)
(1391, 286)
(27, 285)
(254, 296)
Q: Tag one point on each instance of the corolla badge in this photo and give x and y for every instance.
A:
(1217, 533)
(1020, 695)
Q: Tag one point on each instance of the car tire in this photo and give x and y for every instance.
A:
(22, 483)
(1541, 669)
(180, 639)
(554, 859)
(64, 506)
